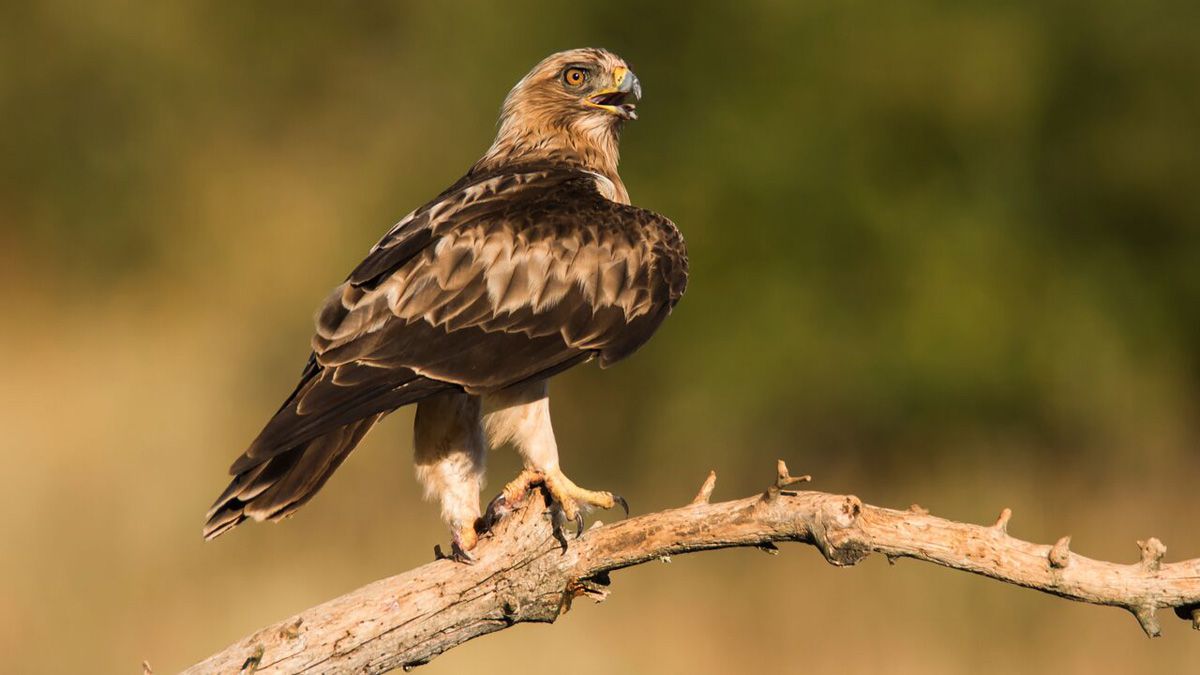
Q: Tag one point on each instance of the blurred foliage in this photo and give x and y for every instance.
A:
(939, 251)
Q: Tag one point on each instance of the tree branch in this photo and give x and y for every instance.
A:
(522, 574)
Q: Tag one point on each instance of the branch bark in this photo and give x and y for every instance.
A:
(522, 574)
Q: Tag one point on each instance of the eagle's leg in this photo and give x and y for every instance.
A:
(449, 447)
(521, 415)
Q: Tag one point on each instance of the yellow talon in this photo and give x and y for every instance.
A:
(570, 496)
(518, 488)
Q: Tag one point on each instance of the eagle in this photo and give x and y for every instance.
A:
(532, 263)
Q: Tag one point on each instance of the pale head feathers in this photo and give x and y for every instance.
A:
(546, 117)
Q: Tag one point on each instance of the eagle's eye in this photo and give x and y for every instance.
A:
(575, 77)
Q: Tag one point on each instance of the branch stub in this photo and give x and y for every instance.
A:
(1060, 553)
(1146, 619)
(1153, 551)
(1001, 524)
(706, 489)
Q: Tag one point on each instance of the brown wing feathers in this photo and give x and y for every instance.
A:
(502, 279)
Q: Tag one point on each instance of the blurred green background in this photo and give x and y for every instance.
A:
(941, 252)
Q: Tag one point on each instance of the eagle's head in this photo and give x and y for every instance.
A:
(576, 88)
(571, 108)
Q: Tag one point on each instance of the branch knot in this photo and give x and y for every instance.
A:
(1060, 553)
(835, 532)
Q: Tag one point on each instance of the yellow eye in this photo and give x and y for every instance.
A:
(575, 77)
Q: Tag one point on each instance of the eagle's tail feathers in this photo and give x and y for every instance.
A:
(274, 489)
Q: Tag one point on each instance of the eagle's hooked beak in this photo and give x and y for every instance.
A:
(613, 99)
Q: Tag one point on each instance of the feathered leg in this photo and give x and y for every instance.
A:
(450, 448)
(521, 415)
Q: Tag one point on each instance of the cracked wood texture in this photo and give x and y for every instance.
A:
(523, 574)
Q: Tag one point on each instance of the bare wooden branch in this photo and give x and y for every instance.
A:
(522, 574)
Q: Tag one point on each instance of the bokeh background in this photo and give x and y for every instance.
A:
(942, 253)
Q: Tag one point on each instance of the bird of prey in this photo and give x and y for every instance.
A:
(531, 263)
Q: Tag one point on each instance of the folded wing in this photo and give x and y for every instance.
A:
(504, 278)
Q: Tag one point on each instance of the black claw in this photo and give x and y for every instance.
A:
(557, 520)
(560, 538)
(578, 524)
(624, 504)
(492, 514)
(457, 554)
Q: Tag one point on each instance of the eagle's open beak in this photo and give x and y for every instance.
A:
(614, 99)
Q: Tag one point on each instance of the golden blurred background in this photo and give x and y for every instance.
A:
(941, 253)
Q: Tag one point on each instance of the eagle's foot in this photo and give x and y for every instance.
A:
(512, 495)
(567, 501)
(570, 497)
(462, 542)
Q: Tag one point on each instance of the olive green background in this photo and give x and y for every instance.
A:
(945, 253)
